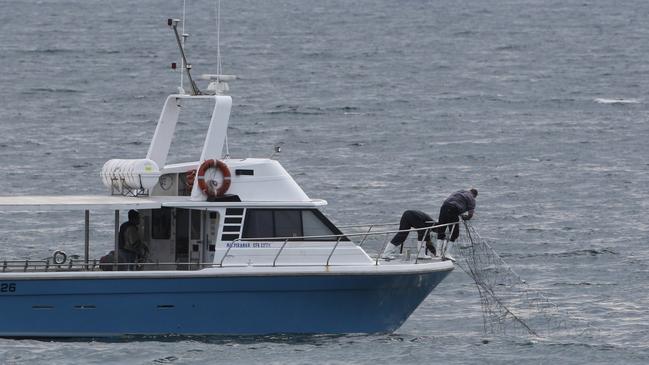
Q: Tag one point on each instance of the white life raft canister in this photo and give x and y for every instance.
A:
(133, 174)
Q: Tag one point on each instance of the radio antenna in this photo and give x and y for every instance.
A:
(173, 23)
(185, 35)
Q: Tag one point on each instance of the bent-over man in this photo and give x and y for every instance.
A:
(412, 219)
(454, 206)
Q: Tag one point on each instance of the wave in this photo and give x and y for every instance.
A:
(312, 110)
(82, 165)
(49, 50)
(584, 283)
(617, 101)
(296, 109)
(584, 252)
(51, 90)
(510, 47)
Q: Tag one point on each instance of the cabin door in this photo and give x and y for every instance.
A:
(161, 243)
(190, 236)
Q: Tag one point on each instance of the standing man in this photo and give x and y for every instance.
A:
(131, 247)
(454, 206)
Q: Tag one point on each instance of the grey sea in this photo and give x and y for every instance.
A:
(379, 106)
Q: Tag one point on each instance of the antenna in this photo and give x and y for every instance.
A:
(218, 83)
(185, 35)
(219, 68)
(173, 23)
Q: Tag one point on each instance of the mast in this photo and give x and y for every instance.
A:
(173, 23)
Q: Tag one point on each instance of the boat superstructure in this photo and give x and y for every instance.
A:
(233, 246)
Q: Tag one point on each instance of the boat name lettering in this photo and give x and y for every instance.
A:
(238, 244)
(7, 287)
(249, 245)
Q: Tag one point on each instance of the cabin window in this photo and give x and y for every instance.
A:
(288, 223)
(161, 224)
(313, 226)
(269, 223)
(259, 224)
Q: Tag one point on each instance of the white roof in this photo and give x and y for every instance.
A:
(45, 203)
(31, 203)
(186, 202)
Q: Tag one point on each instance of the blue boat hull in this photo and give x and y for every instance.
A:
(329, 303)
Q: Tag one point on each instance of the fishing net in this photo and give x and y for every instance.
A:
(509, 305)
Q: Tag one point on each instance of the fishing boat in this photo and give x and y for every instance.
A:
(231, 246)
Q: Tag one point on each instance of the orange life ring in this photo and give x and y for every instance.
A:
(207, 188)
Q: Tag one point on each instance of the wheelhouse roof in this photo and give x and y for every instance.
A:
(186, 202)
(46, 203)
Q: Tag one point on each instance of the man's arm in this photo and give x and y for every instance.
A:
(470, 205)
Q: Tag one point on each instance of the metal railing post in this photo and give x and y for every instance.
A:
(87, 239)
(228, 251)
(116, 249)
(423, 243)
(365, 237)
(280, 251)
(385, 245)
(332, 251)
(446, 240)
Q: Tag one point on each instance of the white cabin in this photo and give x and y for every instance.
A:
(263, 212)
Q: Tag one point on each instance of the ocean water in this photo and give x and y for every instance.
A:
(379, 106)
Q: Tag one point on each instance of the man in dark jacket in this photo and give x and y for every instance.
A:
(456, 205)
(131, 247)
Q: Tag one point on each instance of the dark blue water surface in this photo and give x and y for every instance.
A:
(380, 106)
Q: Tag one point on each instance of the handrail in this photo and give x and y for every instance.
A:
(80, 265)
(338, 238)
(342, 235)
(46, 265)
(369, 224)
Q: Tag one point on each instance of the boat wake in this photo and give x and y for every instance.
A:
(510, 306)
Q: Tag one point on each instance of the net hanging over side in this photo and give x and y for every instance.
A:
(509, 305)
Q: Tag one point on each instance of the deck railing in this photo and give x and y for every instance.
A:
(381, 239)
(365, 235)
